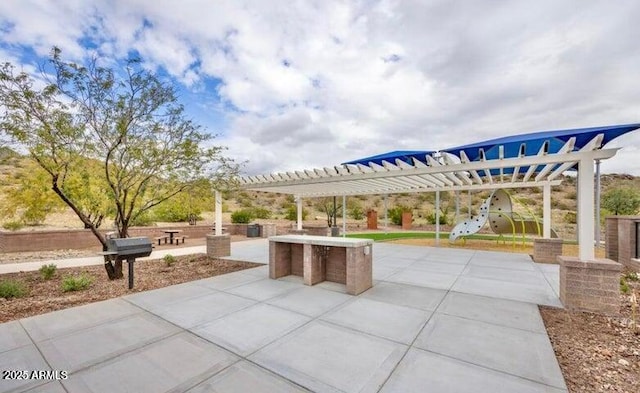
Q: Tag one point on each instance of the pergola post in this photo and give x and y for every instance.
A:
(457, 206)
(386, 215)
(469, 207)
(344, 216)
(546, 211)
(437, 218)
(299, 215)
(218, 212)
(597, 197)
(585, 209)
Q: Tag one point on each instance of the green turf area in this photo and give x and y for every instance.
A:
(378, 236)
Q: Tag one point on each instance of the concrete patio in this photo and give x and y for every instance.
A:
(436, 320)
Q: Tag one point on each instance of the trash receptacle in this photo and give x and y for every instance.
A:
(253, 230)
(335, 231)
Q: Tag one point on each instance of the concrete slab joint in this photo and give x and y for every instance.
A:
(591, 285)
(218, 245)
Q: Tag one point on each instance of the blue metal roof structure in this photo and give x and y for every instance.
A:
(392, 156)
(531, 143)
(512, 146)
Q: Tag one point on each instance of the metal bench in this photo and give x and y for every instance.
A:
(161, 238)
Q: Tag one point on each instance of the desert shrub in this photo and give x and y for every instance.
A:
(395, 214)
(561, 205)
(431, 218)
(624, 287)
(261, 212)
(570, 217)
(632, 276)
(30, 199)
(169, 259)
(356, 213)
(13, 225)
(174, 211)
(571, 195)
(76, 283)
(243, 216)
(621, 201)
(47, 271)
(11, 288)
(292, 213)
(245, 202)
(143, 220)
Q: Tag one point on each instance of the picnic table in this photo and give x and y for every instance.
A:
(171, 233)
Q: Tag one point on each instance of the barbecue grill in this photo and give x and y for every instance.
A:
(129, 249)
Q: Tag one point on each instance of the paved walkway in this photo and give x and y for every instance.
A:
(437, 320)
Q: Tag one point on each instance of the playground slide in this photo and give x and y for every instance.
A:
(497, 210)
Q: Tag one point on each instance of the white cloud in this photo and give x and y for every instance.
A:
(316, 83)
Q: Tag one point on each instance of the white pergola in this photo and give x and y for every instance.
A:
(447, 172)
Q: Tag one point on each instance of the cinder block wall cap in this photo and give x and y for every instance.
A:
(597, 264)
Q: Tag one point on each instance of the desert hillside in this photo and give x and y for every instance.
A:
(274, 207)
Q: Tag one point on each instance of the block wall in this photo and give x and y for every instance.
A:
(592, 286)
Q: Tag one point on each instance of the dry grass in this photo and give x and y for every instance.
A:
(491, 245)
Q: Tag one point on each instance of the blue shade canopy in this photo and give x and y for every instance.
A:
(392, 156)
(531, 143)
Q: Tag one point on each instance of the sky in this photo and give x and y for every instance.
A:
(299, 84)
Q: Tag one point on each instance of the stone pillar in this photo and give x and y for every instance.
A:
(406, 220)
(547, 250)
(372, 219)
(279, 259)
(611, 238)
(592, 286)
(267, 230)
(621, 240)
(313, 266)
(218, 246)
(359, 273)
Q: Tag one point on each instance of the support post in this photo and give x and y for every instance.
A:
(457, 206)
(130, 262)
(218, 207)
(469, 207)
(344, 216)
(299, 217)
(577, 199)
(585, 209)
(597, 198)
(546, 211)
(386, 215)
(437, 218)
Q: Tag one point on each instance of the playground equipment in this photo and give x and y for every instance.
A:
(498, 211)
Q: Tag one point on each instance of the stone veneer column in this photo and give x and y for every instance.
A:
(592, 286)
(372, 219)
(279, 259)
(218, 245)
(611, 238)
(621, 240)
(313, 266)
(267, 230)
(406, 220)
(547, 250)
(359, 269)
